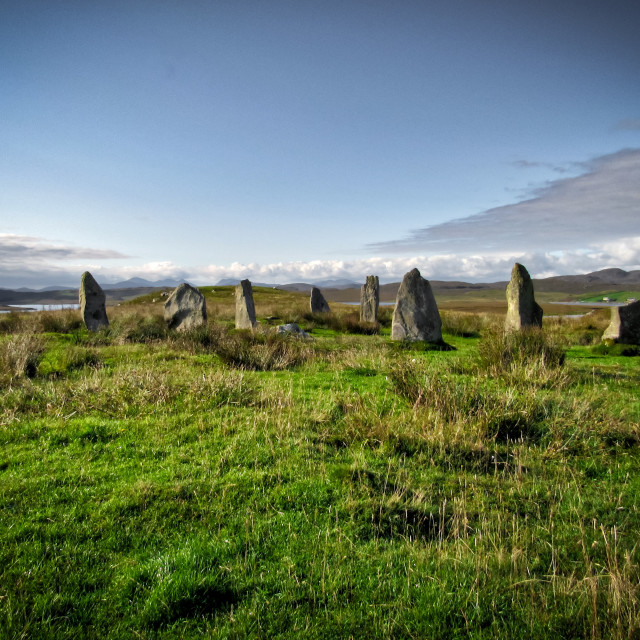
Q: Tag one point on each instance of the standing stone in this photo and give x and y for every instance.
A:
(185, 308)
(416, 315)
(92, 303)
(625, 324)
(318, 303)
(522, 309)
(370, 299)
(245, 309)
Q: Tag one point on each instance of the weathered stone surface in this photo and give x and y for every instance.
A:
(522, 308)
(370, 299)
(318, 303)
(292, 329)
(92, 303)
(416, 315)
(245, 309)
(185, 308)
(625, 324)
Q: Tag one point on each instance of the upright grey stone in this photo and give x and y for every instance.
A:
(245, 309)
(625, 324)
(370, 299)
(318, 303)
(416, 315)
(522, 308)
(185, 308)
(92, 303)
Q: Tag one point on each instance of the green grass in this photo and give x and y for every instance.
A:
(614, 296)
(155, 485)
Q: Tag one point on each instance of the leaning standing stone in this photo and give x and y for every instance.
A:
(318, 303)
(416, 315)
(185, 308)
(245, 309)
(522, 309)
(370, 299)
(625, 324)
(92, 303)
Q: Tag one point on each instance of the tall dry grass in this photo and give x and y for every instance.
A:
(20, 355)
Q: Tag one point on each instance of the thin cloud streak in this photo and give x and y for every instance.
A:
(528, 164)
(566, 214)
(18, 249)
(630, 124)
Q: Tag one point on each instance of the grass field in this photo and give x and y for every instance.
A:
(614, 296)
(235, 485)
(474, 300)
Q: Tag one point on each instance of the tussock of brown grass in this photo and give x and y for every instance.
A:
(530, 355)
(20, 356)
(501, 415)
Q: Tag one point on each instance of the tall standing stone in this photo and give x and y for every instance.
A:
(370, 299)
(522, 308)
(416, 315)
(185, 308)
(92, 303)
(245, 309)
(625, 324)
(318, 303)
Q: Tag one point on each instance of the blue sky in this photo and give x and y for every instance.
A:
(287, 141)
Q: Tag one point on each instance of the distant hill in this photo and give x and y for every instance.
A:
(53, 287)
(344, 290)
(232, 282)
(590, 282)
(133, 283)
(595, 282)
(334, 283)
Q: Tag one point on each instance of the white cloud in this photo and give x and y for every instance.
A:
(489, 267)
(474, 268)
(568, 214)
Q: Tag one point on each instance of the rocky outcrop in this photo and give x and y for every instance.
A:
(92, 303)
(245, 309)
(185, 308)
(522, 309)
(625, 324)
(370, 299)
(416, 315)
(292, 329)
(317, 302)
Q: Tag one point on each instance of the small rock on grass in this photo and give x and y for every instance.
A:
(292, 329)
